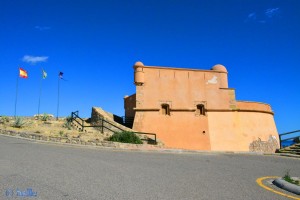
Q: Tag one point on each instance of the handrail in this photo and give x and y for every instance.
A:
(75, 115)
(288, 133)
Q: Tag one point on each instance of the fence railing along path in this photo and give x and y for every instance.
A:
(286, 136)
(103, 126)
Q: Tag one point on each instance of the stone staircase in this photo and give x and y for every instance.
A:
(106, 124)
(294, 149)
(77, 127)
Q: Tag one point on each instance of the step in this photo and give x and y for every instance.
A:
(297, 151)
(290, 152)
(294, 145)
(292, 148)
(295, 148)
(290, 155)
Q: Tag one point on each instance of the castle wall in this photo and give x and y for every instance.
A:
(179, 130)
(223, 125)
(180, 88)
(236, 131)
(129, 105)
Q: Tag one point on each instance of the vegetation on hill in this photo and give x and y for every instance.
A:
(47, 125)
(125, 137)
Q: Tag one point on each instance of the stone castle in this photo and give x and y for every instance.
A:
(195, 109)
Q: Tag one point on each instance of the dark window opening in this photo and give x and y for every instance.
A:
(200, 109)
(165, 108)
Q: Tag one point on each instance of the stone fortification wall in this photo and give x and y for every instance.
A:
(129, 105)
(242, 131)
(98, 114)
(168, 102)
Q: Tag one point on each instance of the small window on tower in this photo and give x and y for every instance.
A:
(200, 109)
(165, 109)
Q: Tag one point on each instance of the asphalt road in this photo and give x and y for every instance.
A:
(63, 172)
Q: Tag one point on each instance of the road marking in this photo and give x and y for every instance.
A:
(260, 180)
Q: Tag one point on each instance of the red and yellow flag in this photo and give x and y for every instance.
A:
(23, 73)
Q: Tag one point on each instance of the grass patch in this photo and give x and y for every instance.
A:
(289, 179)
(125, 137)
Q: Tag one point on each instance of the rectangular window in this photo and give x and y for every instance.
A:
(200, 109)
(165, 109)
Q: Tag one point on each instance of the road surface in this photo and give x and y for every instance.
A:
(61, 172)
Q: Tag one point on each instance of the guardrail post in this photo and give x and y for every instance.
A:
(155, 139)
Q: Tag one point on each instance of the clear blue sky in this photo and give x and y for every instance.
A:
(95, 43)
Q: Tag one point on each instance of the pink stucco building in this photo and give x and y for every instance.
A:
(195, 109)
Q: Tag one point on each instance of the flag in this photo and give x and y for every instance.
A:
(44, 74)
(60, 75)
(23, 73)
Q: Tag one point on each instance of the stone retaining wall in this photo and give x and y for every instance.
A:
(78, 141)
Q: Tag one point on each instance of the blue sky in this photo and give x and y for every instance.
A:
(95, 43)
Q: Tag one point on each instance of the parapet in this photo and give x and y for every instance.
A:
(254, 107)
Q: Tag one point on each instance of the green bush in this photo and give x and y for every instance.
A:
(45, 117)
(125, 137)
(19, 122)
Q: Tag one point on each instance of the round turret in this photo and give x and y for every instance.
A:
(219, 67)
(139, 76)
(138, 64)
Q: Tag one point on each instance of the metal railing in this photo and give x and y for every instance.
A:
(288, 138)
(75, 117)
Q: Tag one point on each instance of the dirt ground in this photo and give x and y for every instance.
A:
(50, 127)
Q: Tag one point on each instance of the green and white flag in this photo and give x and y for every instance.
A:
(44, 74)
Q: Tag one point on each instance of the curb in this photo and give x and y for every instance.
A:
(158, 150)
(279, 182)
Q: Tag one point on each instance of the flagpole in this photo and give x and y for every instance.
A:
(41, 83)
(57, 98)
(16, 100)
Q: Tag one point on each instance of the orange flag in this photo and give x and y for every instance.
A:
(23, 73)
